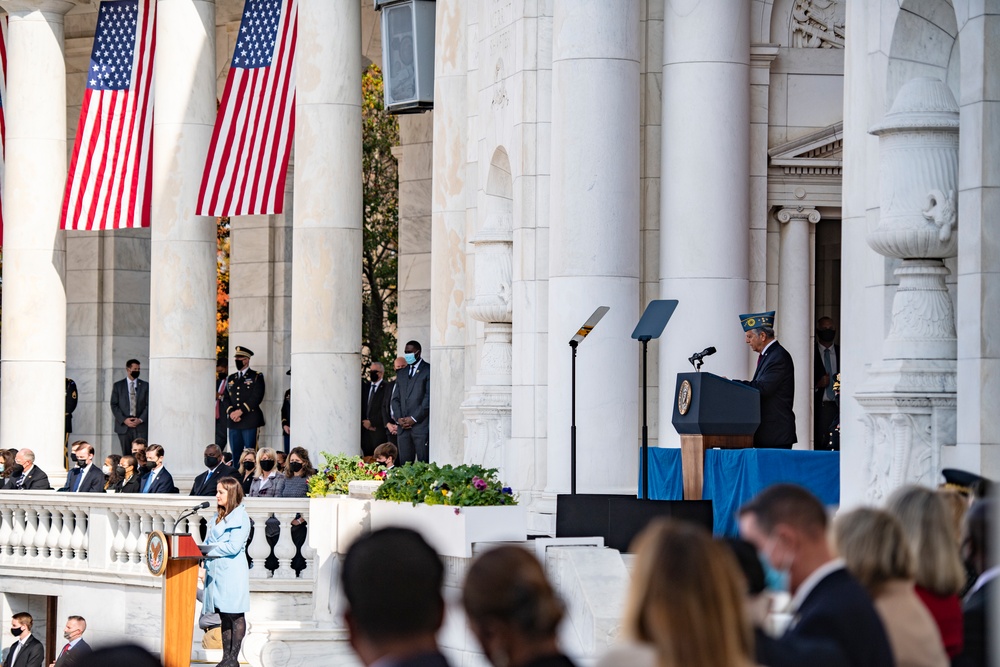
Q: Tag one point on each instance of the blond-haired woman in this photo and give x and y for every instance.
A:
(267, 481)
(227, 580)
(686, 599)
(875, 551)
(939, 573)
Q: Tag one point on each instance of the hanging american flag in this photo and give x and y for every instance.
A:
(3, 112)
(110, 174)
(248, 156)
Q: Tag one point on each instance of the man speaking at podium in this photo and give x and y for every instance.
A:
(774, 379)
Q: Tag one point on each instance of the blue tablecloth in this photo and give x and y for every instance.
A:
(734, 476)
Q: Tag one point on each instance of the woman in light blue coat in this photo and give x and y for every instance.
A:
(227, 577)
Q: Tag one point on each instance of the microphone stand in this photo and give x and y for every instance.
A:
(188, 512)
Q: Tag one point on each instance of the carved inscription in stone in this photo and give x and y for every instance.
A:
(818, 24)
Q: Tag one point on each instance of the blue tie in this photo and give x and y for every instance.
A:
(79, 478)
(149, 481)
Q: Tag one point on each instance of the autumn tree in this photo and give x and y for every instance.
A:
(222, 289)
(379, 264)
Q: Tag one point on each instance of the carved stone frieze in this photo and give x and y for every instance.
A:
(818, 24)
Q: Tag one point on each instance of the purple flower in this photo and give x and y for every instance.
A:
(479, 483)
(507, 490)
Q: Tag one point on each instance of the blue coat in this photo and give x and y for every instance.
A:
(227, 580)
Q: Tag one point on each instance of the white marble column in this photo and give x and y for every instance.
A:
(794, 321)
(34, 291)
(704, 196)
(448, 243)
(594, 243)
(183, 256)
(326, 250)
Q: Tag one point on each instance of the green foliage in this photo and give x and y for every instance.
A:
(222, 229)
(379, 264)
(461, 486)
(339, 471)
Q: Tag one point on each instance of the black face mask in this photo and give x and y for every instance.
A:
(267, 466)
(149, 465)
(373, 376)
(241, 363)
(80, 463)
(248, 465)
(73, 458)
(826, 335)
(16, 631)
(120, 471)
(134, 375)
(211, 461)
(295, 466)
(17, 470)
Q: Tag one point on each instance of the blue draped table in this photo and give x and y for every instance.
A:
(734, 476)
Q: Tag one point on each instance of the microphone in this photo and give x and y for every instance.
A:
(188, 512)
(696, 358)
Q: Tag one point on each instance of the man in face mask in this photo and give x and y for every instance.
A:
(241, 399)
(130, 406)
(27, 651)
(76, 646)
(374, 409)
(25, 475)
(205, 484)
(826, 366)
(84, 477)
(411, 406)
(833, 619)
(156, 478)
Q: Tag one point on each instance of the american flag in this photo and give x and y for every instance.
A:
(3, 112)
(110, 174)
(248, 156)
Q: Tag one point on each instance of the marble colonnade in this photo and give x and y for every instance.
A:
(34, 298)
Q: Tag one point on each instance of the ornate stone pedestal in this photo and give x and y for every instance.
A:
(910, 396)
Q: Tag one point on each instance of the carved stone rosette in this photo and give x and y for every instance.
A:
(487, 410)
(910, 396)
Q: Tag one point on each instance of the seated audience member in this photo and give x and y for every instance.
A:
(139, 447)
(266, 480)
(76, 646)
(875, 551)
(6, 465)
(939, 575)
(131, 478)
(112, 478)
(158, 478)
(298, 473)
(248, 464)
(386, 454)
(25, 475)
(85, 477)
(206, 483)
(835, 620)
(513, 610)
(394, 620)
(686, 600)
(282, 459)
(978, 552)
(26, 651)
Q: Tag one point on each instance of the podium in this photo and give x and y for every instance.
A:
(711, 412)
(175, 556)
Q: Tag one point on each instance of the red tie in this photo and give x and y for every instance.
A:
(65, 650)
(759, 358)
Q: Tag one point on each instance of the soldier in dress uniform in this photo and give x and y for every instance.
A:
(242, 398)
(286, 417)
(71, 401)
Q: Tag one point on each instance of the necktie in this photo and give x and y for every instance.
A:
(65, 650)
(760, 357)
(14, 652)
(79, 478)
(371, 392)
(131, 398)
(828, 364)
(149, 482)
(411, 371)
(20, 481)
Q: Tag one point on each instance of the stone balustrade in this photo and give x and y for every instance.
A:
(58, 535)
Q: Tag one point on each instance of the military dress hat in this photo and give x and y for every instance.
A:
(968, 483)
(243, 352)
(757, 320)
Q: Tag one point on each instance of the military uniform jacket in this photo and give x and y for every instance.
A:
(246, 394)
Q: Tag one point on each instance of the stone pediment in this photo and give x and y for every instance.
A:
(818, 153)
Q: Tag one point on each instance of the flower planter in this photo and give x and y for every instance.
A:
(453, 530)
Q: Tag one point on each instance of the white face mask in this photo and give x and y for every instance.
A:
(106, 470)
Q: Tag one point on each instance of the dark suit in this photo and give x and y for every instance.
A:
(286, 418)
(376, 411)
(93, 482)
(825, 412)
(412, 398)
(244, 393)
(775, 380)
(35, 480)
(32, 654)
(220, 414)
(72, 398)
(974, 612)
(120, 408)
(836, 625)
(74, 655)
(133, 485)
(205, 483)
(163, 483)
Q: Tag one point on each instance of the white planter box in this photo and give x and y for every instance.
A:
(453, 530)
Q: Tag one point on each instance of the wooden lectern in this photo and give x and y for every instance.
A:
(175, 556)
(711, 412)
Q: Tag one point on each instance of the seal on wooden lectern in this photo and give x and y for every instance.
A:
(684, 397)
(157, 553)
